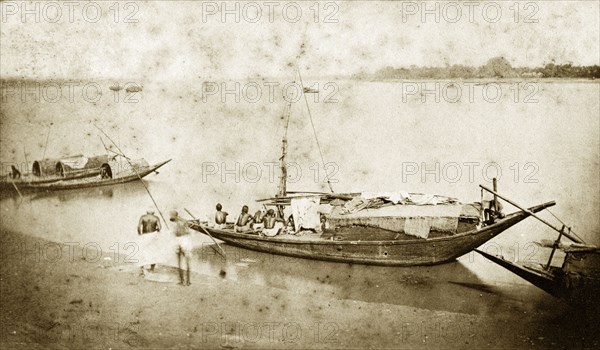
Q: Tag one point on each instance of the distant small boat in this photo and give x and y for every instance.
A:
(109, 173)
(133, 88)
(116, 87)
(52, 170)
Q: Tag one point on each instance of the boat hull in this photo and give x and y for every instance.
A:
(577, 281)
(388, 253)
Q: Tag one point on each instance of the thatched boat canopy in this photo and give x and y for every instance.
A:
(69, 166)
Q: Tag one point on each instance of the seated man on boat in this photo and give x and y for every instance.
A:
(220, 217)
(492, 210)
(244, 221)
(14, 172)
(289, 226)
(273, 225)
(258, 220)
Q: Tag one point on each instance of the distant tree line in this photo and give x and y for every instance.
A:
(497, 67)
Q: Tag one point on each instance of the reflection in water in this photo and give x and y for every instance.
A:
(105, 192)
(452, 287)
(102, 192)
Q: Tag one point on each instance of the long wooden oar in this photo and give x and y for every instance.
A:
(16, 188)
(571, 237)
(222, 252)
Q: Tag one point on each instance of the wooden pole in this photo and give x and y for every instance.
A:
(554, 246)
(495, 187)
(222, 252)
(16, 188)
(138, 175)
(26, 161)
(46, 145)
(574, 239)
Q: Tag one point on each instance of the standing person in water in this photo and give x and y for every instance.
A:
(184, 245)
(220, 217)
(148, 223)
(244, 221)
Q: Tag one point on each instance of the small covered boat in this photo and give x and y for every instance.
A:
(52, 170)
(115, 170)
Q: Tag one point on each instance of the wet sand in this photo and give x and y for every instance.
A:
(68, 301)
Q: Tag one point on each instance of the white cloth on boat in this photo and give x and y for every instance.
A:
(418, 227)
(305, 212)
(325, 209)
(430, 199)
(394, 197)
(150, 248)
(442, 218)
(271, 232)
(402, 197)
(75, 162)
(242, 229)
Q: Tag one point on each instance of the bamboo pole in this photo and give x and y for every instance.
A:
(222, 252)
(554, 246)
(16, 188)
(138, 175)
(574, 239)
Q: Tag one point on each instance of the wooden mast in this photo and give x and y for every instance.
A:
(282, 191)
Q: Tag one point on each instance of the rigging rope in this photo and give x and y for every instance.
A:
(314, 131)
(559, 220)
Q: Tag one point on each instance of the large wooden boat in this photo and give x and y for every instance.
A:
(109, 173)
(388, 228)
(403, 251)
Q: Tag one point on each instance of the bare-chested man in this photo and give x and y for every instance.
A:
(148, 223)
(272, 224)
(258, 220)
(244, 221)
(220, 217)
(184, 245)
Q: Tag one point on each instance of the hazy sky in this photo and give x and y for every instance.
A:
(185, 39)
